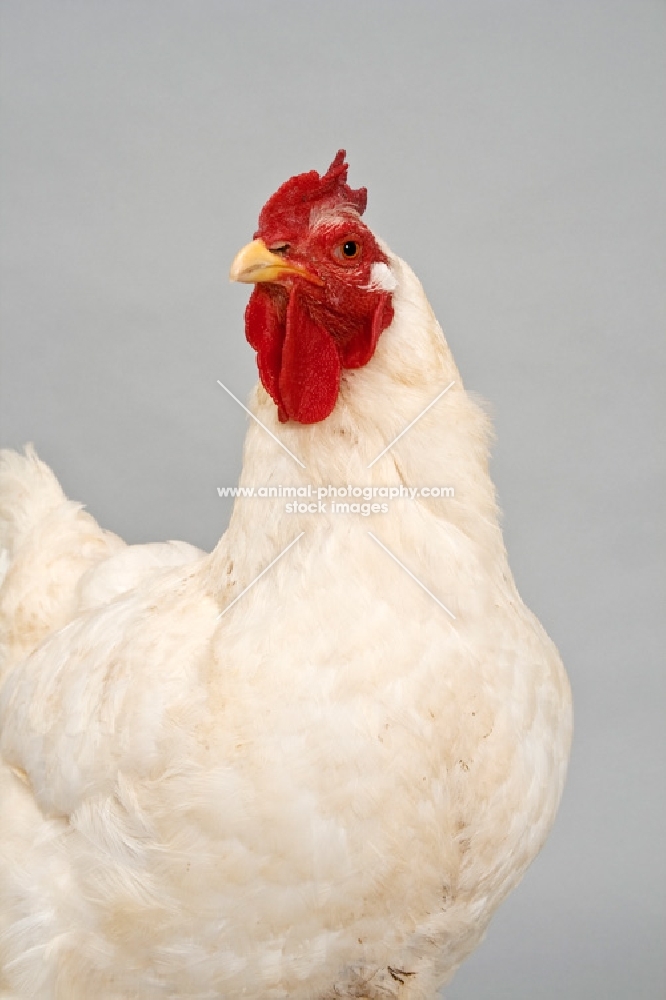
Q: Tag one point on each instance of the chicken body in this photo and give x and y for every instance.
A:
(326, 791)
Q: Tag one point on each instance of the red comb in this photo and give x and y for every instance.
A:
(288, 211)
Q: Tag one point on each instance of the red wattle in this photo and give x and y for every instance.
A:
(310, 369)
(265, 333)
(360, 348)
(299, 361)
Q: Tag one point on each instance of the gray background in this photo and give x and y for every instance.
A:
(514, 154)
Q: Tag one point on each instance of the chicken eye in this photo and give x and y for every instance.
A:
(348, 250)
(280, 248)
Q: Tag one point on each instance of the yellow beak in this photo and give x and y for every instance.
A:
(255, 262)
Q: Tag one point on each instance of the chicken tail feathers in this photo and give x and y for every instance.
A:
(47, 543)
(28, 492)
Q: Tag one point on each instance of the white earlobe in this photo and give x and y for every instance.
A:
(382, 278)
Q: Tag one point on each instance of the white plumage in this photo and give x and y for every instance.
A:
(325, 792)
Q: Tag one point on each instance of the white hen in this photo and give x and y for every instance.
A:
(316, 782)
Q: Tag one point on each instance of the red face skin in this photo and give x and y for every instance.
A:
(306, 329)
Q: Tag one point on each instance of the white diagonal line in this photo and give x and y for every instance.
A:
(409, 573)
(421, 414)
(251, 414)
(259, 576)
